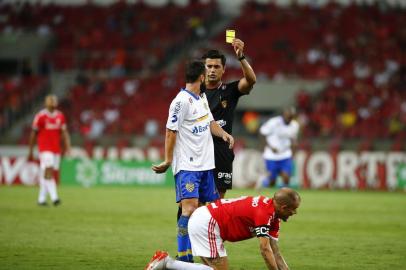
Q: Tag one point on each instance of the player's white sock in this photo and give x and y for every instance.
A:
(42, 195)
(172, 264)
(51, 186)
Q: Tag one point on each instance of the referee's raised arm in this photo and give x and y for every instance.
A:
(247, 82)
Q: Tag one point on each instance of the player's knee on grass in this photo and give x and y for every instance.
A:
(49, 173)
(219, 263)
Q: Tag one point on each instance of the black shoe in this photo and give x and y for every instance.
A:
(42, 204)
(57, 202)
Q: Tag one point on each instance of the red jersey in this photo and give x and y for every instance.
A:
(245, 217)
(49, 126)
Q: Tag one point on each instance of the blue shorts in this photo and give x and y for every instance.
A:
(198, 185)
(275, 167)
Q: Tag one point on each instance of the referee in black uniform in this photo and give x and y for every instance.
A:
(223, 99)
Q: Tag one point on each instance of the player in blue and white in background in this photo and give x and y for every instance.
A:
(281, 134)
(189, 149)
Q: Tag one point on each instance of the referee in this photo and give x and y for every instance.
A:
(223, 99)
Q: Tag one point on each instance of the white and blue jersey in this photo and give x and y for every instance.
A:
(279, 135)
(190, 117)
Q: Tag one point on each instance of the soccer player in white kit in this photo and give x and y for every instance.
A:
(48, 126)
(189, 149)
(281, 134)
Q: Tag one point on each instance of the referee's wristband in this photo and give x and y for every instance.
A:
(242, 57)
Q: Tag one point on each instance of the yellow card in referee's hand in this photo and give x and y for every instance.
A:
(230, 36)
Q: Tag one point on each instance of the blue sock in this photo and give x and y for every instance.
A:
(184, 246)
(189, 251)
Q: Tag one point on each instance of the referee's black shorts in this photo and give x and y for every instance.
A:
(223, 173)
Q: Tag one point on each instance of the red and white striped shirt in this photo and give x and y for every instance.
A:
(245, 217)
(49, 127)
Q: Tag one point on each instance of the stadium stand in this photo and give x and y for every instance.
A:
(17, 95)
(359, 50)
(114, 37)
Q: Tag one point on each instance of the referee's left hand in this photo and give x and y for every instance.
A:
(228, 138)
(238, 46)
(162, 167)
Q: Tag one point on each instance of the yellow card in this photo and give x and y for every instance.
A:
(230, 36)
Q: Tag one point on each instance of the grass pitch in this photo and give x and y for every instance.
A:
(121, 227)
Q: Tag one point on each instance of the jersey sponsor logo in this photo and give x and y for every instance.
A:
(177, 108)
(200, 129)
(174, 118)
(255, 201)
(227, 177)
(224, 175)
(221, 122)
(56, 125)
(190, 187)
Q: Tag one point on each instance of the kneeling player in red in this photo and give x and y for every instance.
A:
(239, 219)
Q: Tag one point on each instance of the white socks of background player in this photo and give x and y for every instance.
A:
(42, 196)
(179, 265)
(47, 186)
(51, 187)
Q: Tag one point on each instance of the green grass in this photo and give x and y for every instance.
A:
(120, 228)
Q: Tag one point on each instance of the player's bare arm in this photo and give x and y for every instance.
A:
(216, 130)
(66, 140)
(293, 146)
(280, 261)
(247, 82)
(31, 143)
(267, 253)
(170, 140)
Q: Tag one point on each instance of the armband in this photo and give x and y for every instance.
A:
(262, 231)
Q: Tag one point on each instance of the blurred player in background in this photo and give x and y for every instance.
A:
(237, 220)
(48, 126)
(189, 149)
(223, 99)
(280, 134)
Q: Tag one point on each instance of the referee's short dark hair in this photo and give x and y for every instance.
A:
(215, 54)
(193, 70)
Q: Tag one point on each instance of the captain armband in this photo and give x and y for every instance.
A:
(262, 231)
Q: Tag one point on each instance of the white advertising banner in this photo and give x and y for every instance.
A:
(316, 170)
(322, 169)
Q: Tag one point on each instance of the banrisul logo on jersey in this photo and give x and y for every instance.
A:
(200, 129)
